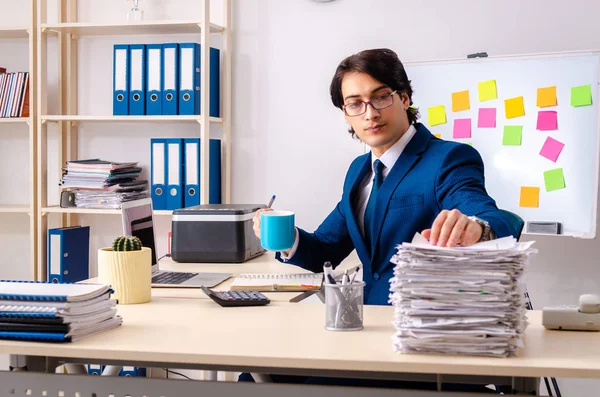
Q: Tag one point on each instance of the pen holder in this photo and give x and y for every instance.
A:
(344, 306)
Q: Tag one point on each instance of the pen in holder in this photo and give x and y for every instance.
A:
(344, 306)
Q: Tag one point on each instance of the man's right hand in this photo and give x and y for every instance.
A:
(256, 220)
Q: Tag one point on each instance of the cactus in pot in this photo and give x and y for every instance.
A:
(127, 267)
(127, 243)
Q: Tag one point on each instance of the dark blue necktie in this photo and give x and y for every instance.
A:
(370, 211)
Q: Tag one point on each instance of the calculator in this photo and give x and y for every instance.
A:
(237, 298)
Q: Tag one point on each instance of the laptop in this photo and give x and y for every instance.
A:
(138, 221)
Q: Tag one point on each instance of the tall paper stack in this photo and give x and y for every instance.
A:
(460, 301)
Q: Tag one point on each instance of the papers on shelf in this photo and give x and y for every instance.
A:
(462, 300)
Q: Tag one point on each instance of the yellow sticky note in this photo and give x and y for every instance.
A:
(546, 96)
(460, 101)
(438, 136)
(514, 107)
(530, 197)
(436, 115)
(487, 90)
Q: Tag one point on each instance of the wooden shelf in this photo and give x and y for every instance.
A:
(126, 119)
(15, 120)
(14, 33)
(127, 29)
(19, 209)
(74, 210)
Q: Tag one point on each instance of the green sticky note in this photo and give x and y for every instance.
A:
(554, 179)
(581, 95)
(512, 135)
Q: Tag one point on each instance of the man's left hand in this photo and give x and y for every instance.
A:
(451, 228)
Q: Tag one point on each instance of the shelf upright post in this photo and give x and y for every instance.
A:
(68, 93)
(42, 140)
(204, 102)
(32, 124)
(226, 157)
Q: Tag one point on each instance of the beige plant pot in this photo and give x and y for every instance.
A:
(128, 272)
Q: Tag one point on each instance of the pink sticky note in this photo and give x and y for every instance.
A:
(462, 128)
(547, 120)
(551, 149)
(487, 118)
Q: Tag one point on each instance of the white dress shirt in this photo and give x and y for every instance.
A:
(388, 159)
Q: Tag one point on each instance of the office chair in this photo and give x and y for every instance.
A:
(518, 223)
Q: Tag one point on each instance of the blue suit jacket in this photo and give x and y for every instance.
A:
(429, 176)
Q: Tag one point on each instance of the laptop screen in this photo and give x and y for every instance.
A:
(138, 222)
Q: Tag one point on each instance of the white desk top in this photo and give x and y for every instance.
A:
(292, 335)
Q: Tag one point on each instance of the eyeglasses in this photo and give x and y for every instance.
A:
(356, 108)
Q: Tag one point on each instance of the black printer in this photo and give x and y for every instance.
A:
(215, 233)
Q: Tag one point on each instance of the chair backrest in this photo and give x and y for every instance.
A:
(515, 220)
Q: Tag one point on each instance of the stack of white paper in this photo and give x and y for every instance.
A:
(463, 300)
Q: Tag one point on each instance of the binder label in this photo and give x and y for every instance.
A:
(121, 78)
(170, 69)
(187, 65)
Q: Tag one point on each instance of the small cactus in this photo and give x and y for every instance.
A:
(127, 243)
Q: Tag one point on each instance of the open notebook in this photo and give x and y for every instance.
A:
(278, 282)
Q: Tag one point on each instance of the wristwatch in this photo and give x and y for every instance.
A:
(487, 233)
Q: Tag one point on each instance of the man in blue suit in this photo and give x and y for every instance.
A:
(410, 181)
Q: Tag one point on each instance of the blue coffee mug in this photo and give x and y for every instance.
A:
(277, 232)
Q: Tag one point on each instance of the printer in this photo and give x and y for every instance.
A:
(221, 233)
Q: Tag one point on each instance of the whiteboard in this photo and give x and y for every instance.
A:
(508, 168)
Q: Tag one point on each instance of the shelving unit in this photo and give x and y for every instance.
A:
(14, 120)
(58, 210)
(26, 33)
(14, 32)
(68, 30)
(15, 209)
(127, 119)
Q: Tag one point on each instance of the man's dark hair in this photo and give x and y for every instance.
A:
(383, 65)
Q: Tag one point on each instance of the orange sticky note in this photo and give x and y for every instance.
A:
(514, 107)
(439, 136)
(460, 101)
(546, 96)
(487, 90)
(530, 197)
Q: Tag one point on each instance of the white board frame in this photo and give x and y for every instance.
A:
(596, 53)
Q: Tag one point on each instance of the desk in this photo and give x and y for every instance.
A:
(290, 338)
(283, 337)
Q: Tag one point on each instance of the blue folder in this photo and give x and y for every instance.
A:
(192, 161)
(137, 79)
(68, 254)
(189, 80)
(121, 79)
(170, 81)
(154, 79)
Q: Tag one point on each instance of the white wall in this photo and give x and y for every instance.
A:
(289, 140)
(286, 53)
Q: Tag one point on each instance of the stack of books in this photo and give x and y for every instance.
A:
(14, 94)
(460, 301)
(55, 312)
(103, 184)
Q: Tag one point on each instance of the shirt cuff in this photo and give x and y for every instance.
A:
(292, 250)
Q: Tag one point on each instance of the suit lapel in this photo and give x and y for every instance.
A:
(353, 229)
(405, 162)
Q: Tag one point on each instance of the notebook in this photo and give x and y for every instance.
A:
(278, 282)
(52, 292)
